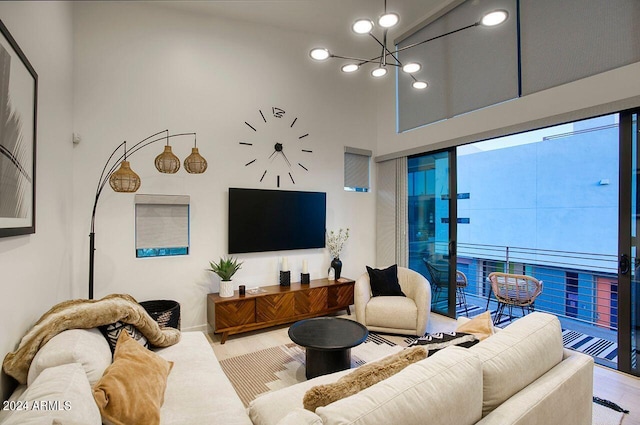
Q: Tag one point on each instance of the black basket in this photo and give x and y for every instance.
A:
(165, 312)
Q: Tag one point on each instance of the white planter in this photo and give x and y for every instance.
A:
(226, 288)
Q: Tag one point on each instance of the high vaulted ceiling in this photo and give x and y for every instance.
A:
(329, 18)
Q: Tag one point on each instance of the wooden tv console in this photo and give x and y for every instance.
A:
(277, 305)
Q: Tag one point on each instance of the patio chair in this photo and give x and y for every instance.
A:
(514, 290)
(437, 278)
(461, 296)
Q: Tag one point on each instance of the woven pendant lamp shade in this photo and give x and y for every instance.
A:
(195, 163)
(167, 162)
(124, 179)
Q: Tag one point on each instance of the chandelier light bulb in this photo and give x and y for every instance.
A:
(379, 72)
(319, 54)
(411, 67)
(388, 20)
(350, 67)
(494, 18)
(362, 26)
(420, 85)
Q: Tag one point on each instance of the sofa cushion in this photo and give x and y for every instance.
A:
(131, 391)
(518, 355)
(66, 395)
(481, 326)
(85, 346)
(443, 389)
(198, 391)
(383, 312)
(384, 282)
(363, 377)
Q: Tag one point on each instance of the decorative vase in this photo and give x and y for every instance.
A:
(337, 266)
(226, 288)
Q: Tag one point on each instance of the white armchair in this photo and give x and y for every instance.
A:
(395, 314)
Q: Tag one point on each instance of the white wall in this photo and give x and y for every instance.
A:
(36, 269)
(140, 69)
(612, 86)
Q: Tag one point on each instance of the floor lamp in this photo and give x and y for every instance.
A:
(124, 179)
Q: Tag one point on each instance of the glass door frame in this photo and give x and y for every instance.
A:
(626, 241)
(452, 256)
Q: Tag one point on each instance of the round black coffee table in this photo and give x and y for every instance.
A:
(327, 342)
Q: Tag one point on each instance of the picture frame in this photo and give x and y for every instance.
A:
(18, 123)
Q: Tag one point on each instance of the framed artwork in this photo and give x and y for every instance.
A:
(18, 113)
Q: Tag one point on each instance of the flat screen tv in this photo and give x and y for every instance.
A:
(276, 220)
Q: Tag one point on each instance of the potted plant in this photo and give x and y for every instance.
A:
(335, 243)
(225, 268)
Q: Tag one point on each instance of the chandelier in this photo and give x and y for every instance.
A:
(389, 57)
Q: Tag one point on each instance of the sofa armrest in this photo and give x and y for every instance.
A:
(362, 295)
(301, 417)
(422, 298)
(563, 395)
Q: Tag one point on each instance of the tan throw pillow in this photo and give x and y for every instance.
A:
(481, 326)
(131, 391)
(363, 377)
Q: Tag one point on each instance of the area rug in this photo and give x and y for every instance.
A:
(278, 367)
(273, 368)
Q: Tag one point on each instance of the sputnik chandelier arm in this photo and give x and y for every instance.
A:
(386, 21)
(124, 179)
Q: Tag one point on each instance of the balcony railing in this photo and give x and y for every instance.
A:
(578, 286)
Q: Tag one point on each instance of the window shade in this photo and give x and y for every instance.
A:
(162, 221)
(356, 169)
(468, 70)
(564, 41)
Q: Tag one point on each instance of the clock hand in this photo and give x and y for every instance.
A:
(285, 158)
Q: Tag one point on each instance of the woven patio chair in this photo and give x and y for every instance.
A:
(514, 290)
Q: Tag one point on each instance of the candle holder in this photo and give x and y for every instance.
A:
(305, 278)
(242, 290)
(285, 278)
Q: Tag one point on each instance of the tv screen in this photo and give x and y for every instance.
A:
(276, 220)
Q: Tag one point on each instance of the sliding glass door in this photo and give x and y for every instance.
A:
(431, 178)
(629, 245)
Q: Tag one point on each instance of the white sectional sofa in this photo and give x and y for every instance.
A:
(197, 392)
(521, 375)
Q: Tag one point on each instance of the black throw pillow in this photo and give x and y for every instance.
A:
(384, 282)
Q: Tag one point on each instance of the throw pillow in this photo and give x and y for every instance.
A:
(131, 391)
(363, 377)
(481, 326)
(384, 282)
(437, 341)
(85, 346)
(112, 333)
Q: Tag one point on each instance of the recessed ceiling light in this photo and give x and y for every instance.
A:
(388, 20)
(319, 54)
(494, 18)
(379, 72)
(420, 85)
(411, 67)
(350, 67)
(362, 26)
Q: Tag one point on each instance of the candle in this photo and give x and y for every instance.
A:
(285, 264)
(305, 267)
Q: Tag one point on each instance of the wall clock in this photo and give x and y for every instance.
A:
(278, 146)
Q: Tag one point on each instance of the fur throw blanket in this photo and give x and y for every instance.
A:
(85, 314)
